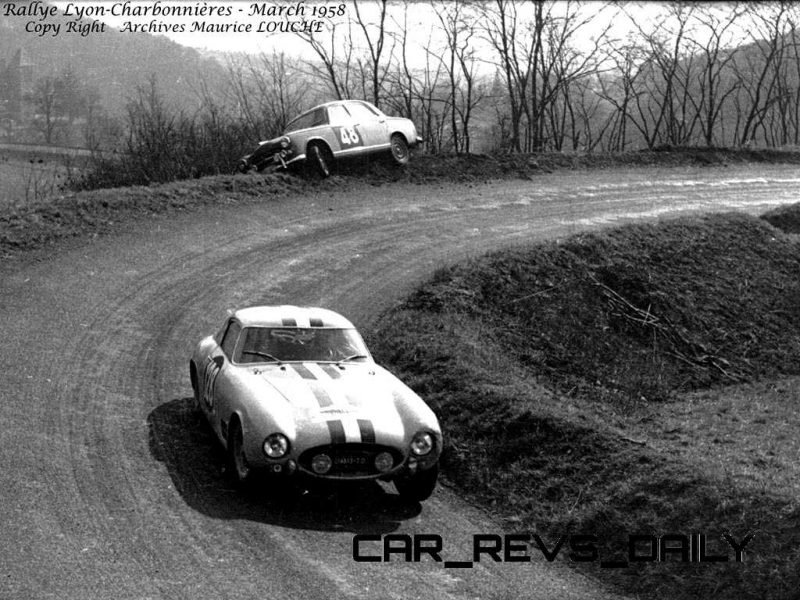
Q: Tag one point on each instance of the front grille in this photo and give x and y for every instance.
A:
(350, 460)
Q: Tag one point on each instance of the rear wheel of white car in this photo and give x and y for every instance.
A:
(238, 461)
(399, 149)
(319, 160)
(419, 486)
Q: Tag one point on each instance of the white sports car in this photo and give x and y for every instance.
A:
(333, 131)
(293, 392)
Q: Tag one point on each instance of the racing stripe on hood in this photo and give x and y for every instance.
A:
(367, 431)
(348, 430)
(352, 432)
(330, 370)
(322, 387)
(303, 371)
(336, 430)
(317, 387)
(321, 395)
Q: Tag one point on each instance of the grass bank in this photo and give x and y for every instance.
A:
(30, 225)
(639, 380)
(36, 210)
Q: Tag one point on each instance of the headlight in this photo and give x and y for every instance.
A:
(384, 462)
(276, 445)
(284, 142)
(321, 464)
(421, 443)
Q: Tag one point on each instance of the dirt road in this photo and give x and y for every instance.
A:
(111, 488)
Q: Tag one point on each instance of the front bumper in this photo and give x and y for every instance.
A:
(276, 151)
(351, 468)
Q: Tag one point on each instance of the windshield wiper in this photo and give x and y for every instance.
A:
(352, 357)
(262, 355)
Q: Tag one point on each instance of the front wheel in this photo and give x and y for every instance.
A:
(319, 160)
(242, 473)
(195, 389)
(399, 149)
(419, 486)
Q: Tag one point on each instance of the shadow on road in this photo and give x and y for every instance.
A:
(182, 440)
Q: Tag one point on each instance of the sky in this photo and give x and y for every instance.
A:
(420, 16)
(426, 38)
(421, 21)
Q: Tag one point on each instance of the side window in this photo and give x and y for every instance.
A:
(229, 339)
(362, 112)
(301, 122)
(320, 118)
(338, 114)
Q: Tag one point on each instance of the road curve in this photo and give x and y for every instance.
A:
(113, 489)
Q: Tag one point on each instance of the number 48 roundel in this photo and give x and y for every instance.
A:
(349, 137)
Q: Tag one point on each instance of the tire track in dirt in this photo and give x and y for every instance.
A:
(113, 487)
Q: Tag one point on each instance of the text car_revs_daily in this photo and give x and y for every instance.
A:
(523, 547)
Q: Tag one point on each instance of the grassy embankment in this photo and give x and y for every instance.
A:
(638, 380)
(37, 208)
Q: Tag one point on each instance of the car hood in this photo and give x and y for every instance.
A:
(333, 403)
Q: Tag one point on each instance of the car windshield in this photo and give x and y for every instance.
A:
(311, 344)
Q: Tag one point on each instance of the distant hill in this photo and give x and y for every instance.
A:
(114, 62)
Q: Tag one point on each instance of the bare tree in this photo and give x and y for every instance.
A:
(459, 27)
(375, 45)
(45, 100)
(714, 43)
(266, 90)
(501, 23)
(539, 59)
(326, 51)
(619, 88)
(663, 108)
(759, 70)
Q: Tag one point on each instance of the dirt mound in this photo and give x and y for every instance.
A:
(785, 218)
(641, 311)
(556, 370)
(482, 167)
(31, 225)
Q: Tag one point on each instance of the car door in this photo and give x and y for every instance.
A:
(371, 123)
(217, 370)
(348, 133)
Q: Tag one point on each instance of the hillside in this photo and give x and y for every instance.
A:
(113, 62)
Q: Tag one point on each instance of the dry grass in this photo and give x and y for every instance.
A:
(24, 181)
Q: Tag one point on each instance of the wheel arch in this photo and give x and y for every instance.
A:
(193, 375)
(401, 134)
(319, 141)
(234, 420)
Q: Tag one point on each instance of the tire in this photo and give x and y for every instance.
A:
(399, 149)
(319, 161)
(241, 472)
(419, 486)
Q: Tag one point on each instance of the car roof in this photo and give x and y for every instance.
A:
(290, 316)
(332, 102)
